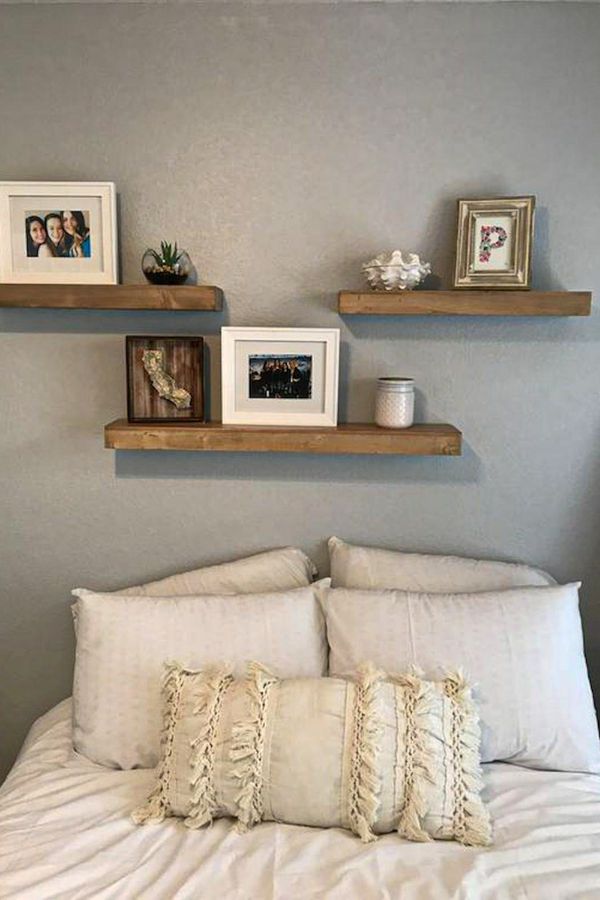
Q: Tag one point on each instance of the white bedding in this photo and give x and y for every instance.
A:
(65, 833)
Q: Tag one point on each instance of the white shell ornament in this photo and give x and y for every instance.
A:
(393, 272)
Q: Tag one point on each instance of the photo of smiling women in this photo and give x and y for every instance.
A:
(58, 232)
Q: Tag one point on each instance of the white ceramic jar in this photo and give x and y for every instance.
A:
(395, 402)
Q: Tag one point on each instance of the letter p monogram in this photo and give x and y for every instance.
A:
(487, 244)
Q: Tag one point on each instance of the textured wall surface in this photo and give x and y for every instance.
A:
(283, 146)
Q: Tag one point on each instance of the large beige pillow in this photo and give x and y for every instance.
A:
(372, 756)
(273, 570)
(522, 647)
(373, 568)
(124, 641)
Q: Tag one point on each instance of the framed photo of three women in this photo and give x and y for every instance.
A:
(58, 232)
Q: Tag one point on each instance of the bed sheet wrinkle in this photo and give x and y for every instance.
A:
(65, 833)
(347, 869)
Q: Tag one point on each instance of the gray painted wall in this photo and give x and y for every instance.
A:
(282, 147)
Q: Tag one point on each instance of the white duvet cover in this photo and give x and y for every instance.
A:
(65, 833)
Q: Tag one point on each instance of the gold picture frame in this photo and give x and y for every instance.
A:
(494, 243)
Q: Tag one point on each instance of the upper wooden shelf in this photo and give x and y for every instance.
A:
(420, 440)
(111, 296)
(466, 303)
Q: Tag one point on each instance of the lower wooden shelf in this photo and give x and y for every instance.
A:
(420, 440)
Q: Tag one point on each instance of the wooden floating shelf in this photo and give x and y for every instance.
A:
(420, 440)
(111, 296)
(466, 303)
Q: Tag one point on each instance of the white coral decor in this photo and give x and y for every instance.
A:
(392, 272)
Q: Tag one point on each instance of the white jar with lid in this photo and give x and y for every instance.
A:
(395, 402)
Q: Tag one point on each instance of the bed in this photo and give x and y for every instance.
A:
(65, 833)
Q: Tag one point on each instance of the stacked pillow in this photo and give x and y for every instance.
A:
(376, 569)
(124, 638)
(521, 645)
(273, 570)
(124, 641)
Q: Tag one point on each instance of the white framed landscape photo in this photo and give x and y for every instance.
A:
(280, 376)
(494, 243)
(58, 232)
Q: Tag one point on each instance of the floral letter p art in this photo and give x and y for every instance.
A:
(487, 244)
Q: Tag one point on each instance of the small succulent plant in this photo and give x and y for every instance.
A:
(169, 265)
(168, 258)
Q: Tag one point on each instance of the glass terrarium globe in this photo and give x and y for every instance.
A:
(167, 265)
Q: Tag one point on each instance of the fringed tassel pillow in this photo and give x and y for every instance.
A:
(376, 755)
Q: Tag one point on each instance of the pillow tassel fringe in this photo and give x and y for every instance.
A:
(203, 803)
(420, 754)
(247, 747)
(365, 780)
(472, 823)
(157, 806)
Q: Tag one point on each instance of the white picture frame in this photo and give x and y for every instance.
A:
(89, 258)
(309, 399)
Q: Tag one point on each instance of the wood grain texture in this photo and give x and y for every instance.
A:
(420, 440)
(183, 361)
(466, 303)
(111, 296)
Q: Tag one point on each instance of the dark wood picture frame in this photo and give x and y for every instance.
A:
(183, 364)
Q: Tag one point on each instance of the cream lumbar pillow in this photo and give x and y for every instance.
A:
(374, 755)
